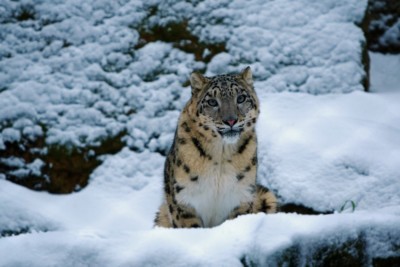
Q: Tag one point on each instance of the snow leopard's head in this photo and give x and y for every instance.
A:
(226, 104)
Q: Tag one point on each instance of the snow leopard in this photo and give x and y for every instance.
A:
(210, 170)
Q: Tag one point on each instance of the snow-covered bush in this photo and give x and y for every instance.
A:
(384, 26)
(76, 76)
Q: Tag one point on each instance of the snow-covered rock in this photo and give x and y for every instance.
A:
(97, 227)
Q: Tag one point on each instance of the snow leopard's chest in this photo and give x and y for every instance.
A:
(216, 194)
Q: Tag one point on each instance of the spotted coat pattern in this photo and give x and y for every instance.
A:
(210, 171)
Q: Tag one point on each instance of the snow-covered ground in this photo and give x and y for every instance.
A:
(325, 151)
(315, 150)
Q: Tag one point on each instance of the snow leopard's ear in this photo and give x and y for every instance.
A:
(197, 82)
(247, 76)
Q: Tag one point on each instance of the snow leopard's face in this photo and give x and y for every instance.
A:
(227, 104)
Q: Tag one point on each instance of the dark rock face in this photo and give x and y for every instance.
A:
(63, 170)
(300, 209)
(333, 249)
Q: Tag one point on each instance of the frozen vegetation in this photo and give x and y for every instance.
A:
(384, 26)
(77, 74)
(74, 74)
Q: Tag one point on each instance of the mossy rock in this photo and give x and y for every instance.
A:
(178, 34)
(66, 169)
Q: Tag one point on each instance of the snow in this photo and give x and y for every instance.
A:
(391, 36)
(291, 48)
(10, 135)
(384, 73)
(71, 65)
(323, 143)
(321, 151)
(105, 231)
(317, 151)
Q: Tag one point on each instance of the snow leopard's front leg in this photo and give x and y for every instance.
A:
(243, 208)
(177, 216)
(184, 217)
(264, 201)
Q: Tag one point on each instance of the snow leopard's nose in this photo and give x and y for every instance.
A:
(230, 122)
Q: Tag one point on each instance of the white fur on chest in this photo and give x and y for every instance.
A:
(215, 195)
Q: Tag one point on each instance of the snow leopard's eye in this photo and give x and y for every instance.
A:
(240, 99)
(212, 102)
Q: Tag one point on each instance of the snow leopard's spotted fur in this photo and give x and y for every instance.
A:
(210, 171)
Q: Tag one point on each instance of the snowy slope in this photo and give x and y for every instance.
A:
(348, 150)
(255, 238)
(322, 151)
